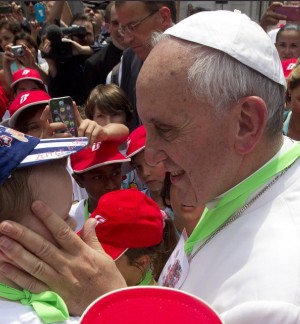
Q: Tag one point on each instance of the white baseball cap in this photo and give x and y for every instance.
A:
(235, 34)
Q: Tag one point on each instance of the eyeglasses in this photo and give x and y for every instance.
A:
(132, 27)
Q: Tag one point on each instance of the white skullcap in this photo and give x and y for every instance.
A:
(235, 34)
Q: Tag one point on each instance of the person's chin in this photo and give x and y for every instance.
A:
(186, 193)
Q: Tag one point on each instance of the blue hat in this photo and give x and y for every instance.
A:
(18, 150)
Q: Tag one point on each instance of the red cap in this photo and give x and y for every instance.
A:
(25, 100)
(288, 65)
(127, 218)
(27, 74)
(136, 141)
(101, 153)
(148, 305)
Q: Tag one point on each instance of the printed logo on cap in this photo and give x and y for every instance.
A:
(25, 72)
(291, 66)
(24, 97)
(96, 146)
(100, 219)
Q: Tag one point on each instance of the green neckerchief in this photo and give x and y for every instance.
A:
(48, 305)
(86, 209)
(212, 219)
(147, 279)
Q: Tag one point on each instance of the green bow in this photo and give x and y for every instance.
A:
(49, 306)
(147, 279)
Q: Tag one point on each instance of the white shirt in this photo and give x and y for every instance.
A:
(250, 271)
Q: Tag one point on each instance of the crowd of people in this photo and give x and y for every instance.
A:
(137, 150)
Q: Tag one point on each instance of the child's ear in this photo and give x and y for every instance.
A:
(144, 262)
(78, 180)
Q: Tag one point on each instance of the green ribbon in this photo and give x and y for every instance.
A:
(212, 219)
(48, 305)
(86, 210)
(147, 279)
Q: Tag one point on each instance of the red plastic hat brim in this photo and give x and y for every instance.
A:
(148, 305)
(112, 251)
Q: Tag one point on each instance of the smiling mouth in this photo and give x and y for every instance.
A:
(177, 173)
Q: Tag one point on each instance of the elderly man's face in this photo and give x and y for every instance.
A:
(131, 12)
(192, 143)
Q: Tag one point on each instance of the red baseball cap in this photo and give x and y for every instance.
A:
(127, 218)
(136, 141)
(288, 65)
(25, 100)
(101, 153)
(27, 74)
(148, 305)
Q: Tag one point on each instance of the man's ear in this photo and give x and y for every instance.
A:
(253, 115)
(78, 179)
(166, 17)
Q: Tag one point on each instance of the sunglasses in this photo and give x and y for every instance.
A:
(27, 3)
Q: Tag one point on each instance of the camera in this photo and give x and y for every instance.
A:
(17, 50)
(74, 30)
(61, 50)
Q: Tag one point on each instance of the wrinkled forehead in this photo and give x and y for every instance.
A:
(163, 80)
(168, 61)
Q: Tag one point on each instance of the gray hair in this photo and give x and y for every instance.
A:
(222, 81)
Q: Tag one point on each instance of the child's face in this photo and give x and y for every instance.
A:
(54, 187)
(101, 180)
(32, 125)
(103, 119)
(185, 216)
(152, 176)
(26, 85)
(133, 274)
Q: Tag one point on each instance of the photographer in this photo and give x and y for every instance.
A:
(66, 57)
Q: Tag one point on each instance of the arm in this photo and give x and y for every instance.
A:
(86, 127)
(116, 132)
(60, 10)
(79, 270)
(29, 61)
(97, 133)
(6, 75)
(270, 17)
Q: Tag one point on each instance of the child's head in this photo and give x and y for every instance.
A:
(108, 103)
(26, 110)
(34, 169)
(134, 232)
(152, 176)
(26, 80)
(98, 169)
(184, 216)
